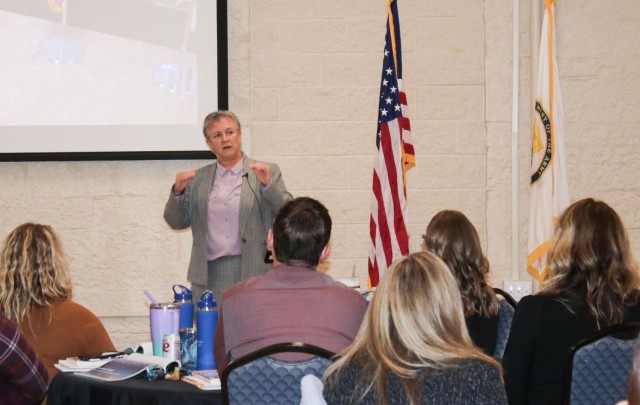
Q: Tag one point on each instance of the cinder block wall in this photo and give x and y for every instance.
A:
(304, 79)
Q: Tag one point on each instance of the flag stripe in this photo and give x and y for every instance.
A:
(403, 100)
(396, 189)
(380, 219)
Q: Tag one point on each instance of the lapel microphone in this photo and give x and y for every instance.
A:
(267, 257)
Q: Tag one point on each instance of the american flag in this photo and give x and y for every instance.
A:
(394, 156)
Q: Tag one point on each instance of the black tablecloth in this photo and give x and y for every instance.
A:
(72, 389)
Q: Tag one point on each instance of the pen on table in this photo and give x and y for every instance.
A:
(106, 356)
(100, 357)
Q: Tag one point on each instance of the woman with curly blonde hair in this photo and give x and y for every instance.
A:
(413, 346)
(452, 237)
(593, 283)
(35, 293)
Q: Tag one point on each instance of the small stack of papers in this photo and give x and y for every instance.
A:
(74, 364)
(121, 368)
(204, 379)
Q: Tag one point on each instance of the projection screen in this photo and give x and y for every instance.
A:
(110, 79)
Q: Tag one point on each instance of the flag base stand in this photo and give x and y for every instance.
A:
(61, 50)
(176, 79)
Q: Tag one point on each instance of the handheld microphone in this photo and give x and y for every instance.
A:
(267, 257)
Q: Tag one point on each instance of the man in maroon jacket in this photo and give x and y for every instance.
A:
(292, 302)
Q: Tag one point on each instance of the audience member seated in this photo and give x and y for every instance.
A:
(23, 377)
(413, 347)
(453, 238)
(292, 302)
(593, 283)
(36, 295)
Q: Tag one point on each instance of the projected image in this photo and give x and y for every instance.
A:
(96, 76)
(92, 62)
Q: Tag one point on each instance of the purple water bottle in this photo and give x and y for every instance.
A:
(207, 320)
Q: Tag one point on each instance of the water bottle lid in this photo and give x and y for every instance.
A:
(206, 300)
(183, 294)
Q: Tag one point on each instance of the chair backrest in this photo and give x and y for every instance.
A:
(505, 316)
(258, 378)
(506, 296)
(598, 367)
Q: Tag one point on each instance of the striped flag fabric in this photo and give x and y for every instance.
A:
(549, 191)
(394, 156)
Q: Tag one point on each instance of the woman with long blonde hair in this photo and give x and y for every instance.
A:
(593, 283)
(35, 293)
(454, 239)
(413, 346)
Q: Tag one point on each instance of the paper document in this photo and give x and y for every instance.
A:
(129, 366)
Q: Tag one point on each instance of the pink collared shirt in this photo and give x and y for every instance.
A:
(223, 218)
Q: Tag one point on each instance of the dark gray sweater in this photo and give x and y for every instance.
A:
(472, 382)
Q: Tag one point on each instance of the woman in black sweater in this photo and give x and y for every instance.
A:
(593, 283)
(453, 238)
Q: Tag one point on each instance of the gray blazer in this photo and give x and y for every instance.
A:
(191, 211)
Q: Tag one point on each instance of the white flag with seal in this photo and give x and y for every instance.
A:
(549, 192)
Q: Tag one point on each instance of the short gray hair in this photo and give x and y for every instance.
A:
(217, 116)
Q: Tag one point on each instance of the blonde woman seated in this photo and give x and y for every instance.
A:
(35, 294)
(413, 346)
(453, 238)
(593, 283)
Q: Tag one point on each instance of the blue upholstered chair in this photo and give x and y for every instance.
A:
(505, 316)
(258, 378)
(598, 367)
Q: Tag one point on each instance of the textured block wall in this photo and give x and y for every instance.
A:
(304, 79)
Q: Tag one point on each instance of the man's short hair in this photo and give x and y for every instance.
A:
(301, 230)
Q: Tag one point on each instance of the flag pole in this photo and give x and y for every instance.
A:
(515, 259)
(535, 47)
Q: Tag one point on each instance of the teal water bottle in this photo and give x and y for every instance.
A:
(184, 297)
(207, 320)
